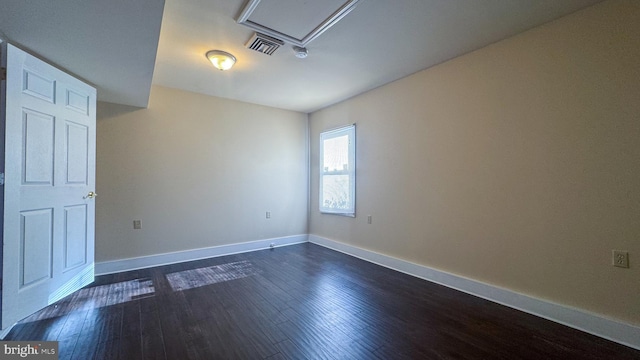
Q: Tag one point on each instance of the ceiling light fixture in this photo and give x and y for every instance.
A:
(221, 59)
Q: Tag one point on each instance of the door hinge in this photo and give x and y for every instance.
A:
(1, 179)
(3, 74)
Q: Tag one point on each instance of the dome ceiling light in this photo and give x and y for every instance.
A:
(222, 60)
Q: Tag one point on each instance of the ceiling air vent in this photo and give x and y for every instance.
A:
(264, 43)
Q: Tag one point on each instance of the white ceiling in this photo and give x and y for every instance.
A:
(112, 43)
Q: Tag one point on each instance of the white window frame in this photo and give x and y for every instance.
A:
(350, 131)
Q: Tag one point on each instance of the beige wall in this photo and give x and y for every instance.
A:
(516, 165)
(198, 171)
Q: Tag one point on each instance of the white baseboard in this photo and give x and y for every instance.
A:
(613, 330)
(115, 266)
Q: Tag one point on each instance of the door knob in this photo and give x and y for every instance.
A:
(90, 195)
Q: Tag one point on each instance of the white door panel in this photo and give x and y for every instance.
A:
(36, 240)
(77, 149)
(37, 156)
(48, 232)
(75, 234)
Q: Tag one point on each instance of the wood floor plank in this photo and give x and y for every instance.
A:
(152, 343)
(66, 346)
(289, 350)
(103, 324)
(131, 338)
(296, 302)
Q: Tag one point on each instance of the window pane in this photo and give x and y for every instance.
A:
(336, 154)
(335, 192)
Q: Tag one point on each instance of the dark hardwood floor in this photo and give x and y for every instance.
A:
(295, 302)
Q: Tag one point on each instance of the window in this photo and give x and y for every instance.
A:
(338, 171)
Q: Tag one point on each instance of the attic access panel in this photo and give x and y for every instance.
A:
(296, 22)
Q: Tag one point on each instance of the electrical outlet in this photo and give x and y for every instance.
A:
(368, 219)
(620, 258)
(137, 224)
(268, 214)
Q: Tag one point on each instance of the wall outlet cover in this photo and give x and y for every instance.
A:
(621, 258)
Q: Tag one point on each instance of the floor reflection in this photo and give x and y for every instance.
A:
(189, 279)
(97, 297)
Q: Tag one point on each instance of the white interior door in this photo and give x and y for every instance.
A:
(49, 158)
